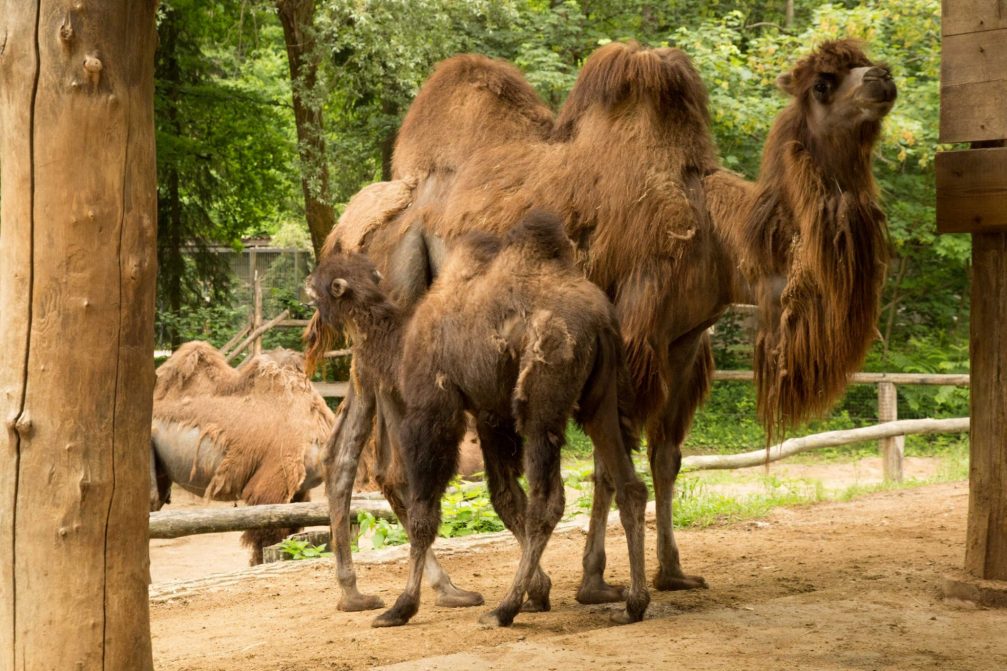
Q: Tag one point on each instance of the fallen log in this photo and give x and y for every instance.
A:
(827, 439)
(178, 523)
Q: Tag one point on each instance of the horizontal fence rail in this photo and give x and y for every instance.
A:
(178, 523)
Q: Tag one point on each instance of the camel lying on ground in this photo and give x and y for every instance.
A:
(670, 237)
(254, 434)
(514, 334)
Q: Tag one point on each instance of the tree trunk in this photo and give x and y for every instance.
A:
(297, 17)
(77, 265)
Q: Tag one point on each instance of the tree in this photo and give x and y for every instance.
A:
(297, 18)
(225, 149)
(77, 298)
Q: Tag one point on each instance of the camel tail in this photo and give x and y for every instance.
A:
(610, 368)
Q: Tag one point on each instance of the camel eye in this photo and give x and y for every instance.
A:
(822, 87)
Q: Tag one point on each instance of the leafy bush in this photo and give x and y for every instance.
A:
(298, 549)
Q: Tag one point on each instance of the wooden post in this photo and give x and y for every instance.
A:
(77, 267)
(972, 197)
(894, 447)
(257, 315)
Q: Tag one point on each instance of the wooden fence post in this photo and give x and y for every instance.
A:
(893, 448)
(257, 313)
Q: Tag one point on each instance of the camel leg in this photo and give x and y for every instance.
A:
(396, 491)
(349, 435)
(545, 508)
(692, 365)
(502, 455)
(593, 588)
(631, 495)
(430, 438)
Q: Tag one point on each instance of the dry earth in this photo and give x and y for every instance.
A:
(850, 585)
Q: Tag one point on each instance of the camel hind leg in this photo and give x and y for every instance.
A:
(502, 455)
(545, 508)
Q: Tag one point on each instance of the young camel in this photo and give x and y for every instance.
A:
(670, 237)
(514, 334)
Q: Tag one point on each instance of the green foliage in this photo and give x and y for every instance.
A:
(467, 510)
(379, 531)
(298, 549)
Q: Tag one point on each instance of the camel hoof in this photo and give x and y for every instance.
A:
(624, 617)
(674, 583)
(601, 593)
(355, 604)
(496, 618)
(459, 598)
(389, 619)
(536, 605)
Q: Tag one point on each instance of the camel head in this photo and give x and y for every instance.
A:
(839, 91)
(344, 289)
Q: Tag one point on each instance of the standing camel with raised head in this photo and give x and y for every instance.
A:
(667, 234)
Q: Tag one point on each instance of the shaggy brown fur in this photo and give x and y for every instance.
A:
(670, 237)
(513, 333)
(261, 421)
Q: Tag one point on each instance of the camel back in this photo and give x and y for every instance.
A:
(266, 407)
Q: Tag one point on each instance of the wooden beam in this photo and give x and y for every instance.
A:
(178, 523)
(972, 190)
(971, 16)
(332, 389)
(974, 112)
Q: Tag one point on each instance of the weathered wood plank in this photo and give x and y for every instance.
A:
(974, 112)
(986, 541)
(970, 16)
(892, 447)
(972, 190)
(177, 523)
(974, 57)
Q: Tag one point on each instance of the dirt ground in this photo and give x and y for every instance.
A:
(850, 585)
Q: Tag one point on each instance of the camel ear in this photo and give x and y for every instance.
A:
(785, 83)
(377, 276)
(338, 287)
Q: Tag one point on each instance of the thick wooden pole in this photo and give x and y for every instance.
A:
(77, 264)
(986, 544)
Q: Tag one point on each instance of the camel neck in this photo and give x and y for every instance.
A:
(377, 335)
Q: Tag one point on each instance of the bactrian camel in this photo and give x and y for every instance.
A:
(513, 333)
(254, 433)
(671, 237)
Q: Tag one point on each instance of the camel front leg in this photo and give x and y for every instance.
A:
(350, 433)
(392, 481)
(593, 588)
(692, 367)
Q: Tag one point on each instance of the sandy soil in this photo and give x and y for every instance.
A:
(833, 586)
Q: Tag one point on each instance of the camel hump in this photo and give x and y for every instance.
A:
(619, 75)
(540, 235)
(470, 103)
